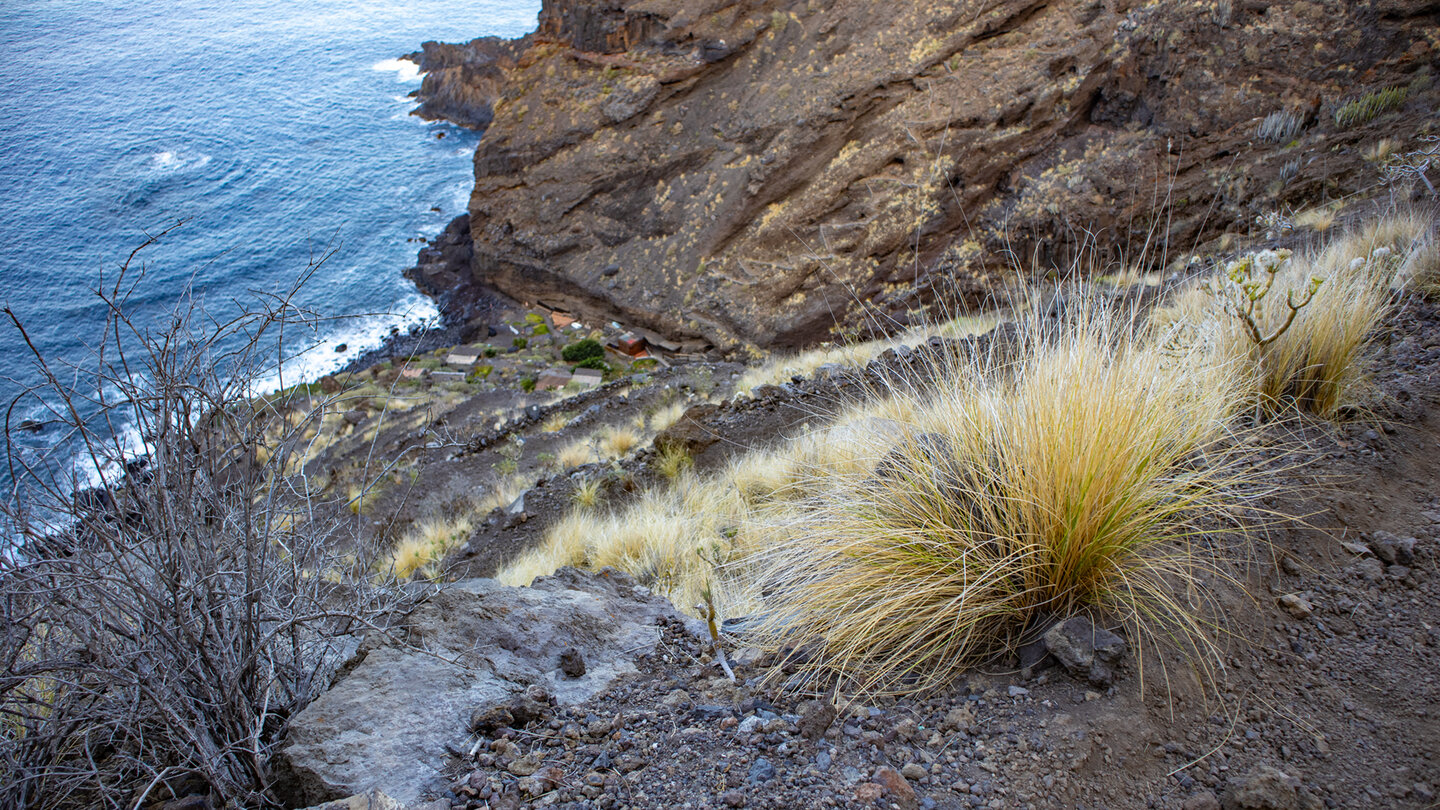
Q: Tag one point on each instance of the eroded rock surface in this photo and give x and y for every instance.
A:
(747, 172)
(388, 723)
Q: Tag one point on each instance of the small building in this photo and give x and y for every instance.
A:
(588, 377)
(553, 378)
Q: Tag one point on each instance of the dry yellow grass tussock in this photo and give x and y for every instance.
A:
(856, 355)
(1313, 363)
(573, 455)
(617, 441)
(667, 416)
(1075, 484)
(427, 543)
(670, 539)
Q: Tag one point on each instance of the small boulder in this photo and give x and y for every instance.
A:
(815, 719)
(898, 788)
(761, 771)
(1086, 651)
(1204, 800)
(690, 433)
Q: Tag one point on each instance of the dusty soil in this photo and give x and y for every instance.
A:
(1343, 699)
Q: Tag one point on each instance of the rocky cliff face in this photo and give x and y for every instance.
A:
(759, 172)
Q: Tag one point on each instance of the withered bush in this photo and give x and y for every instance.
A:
(159, 629)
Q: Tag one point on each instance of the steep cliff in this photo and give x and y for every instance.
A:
(759, 172)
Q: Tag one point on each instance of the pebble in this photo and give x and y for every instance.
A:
(761, 771)
(1296, 605)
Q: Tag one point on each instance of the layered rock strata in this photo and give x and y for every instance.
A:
(753, 172)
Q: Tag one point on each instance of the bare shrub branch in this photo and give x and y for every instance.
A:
(159, 627)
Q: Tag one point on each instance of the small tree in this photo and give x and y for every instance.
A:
(158, 631)
(582, 350)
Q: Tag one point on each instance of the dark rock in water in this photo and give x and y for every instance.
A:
(31, 425)
(1086, 651)
(572, 663)
(342, 348)
(1268, 788)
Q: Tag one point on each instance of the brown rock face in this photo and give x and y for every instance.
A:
(759, 172)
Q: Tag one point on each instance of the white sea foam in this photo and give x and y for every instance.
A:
(171, 161)
(404, 69)
(359, 334)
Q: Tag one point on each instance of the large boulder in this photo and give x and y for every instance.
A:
(476, 645)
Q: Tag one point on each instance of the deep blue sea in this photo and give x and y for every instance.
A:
(275, 130)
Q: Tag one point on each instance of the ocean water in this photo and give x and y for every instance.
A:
(276, 131)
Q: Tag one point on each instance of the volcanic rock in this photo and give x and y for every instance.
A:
(471, 653)
(765, 173)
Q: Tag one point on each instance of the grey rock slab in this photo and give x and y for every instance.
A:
(474, 645)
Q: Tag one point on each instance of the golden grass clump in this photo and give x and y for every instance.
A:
(573, 455)
(1313, 363)
(673, 461)
(855, 355)
(587, 493)
(1074, 482)
(671, 539)
(617, 441)
(556, 422)
(427, 543)
(667, 416)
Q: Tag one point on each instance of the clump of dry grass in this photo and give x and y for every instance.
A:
(667, 416)
(617, 441)
(1313, 363)
(1075, 482)
(427, 543)
(573, 455)
(855, 355)
(587, 493)
(671, 539)
(556, 422)
(673, 461)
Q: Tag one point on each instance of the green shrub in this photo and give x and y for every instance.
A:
(540, 329)
(527, 383)
(491, 351)
(519, 343)
(533, 318)
(1364, 109)
(582, 350)
(595, 363)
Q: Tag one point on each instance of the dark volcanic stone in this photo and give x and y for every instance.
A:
(572, 663)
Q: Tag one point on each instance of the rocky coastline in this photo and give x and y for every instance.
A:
(751, 175)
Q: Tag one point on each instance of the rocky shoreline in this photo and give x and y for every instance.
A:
(772, 177)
